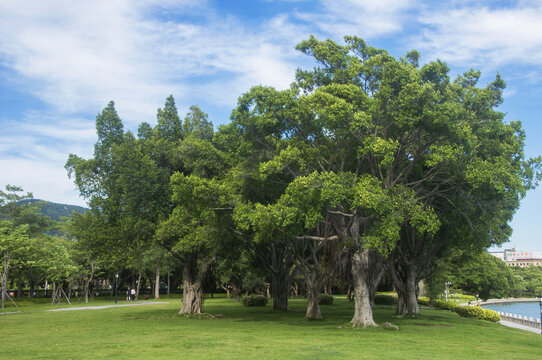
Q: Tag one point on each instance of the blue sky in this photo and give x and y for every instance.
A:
(62, 61)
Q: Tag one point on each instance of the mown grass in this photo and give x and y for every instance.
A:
(158, 332)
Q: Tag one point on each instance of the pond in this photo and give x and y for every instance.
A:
(530, 309)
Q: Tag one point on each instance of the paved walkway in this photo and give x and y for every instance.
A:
(106, 306)
(93, 307)
(518, 326)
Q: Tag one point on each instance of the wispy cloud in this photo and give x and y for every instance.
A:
(77, 56)
(366, 18)
(486, 36)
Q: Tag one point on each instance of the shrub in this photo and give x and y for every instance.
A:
(477, 312)
(444, 305)
(384, 299)
(255, 300)
(325, 299)
(422, 300)
(491, 315)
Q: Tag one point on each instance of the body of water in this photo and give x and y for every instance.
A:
(530, 309)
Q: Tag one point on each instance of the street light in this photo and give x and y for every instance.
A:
(116, 285)
(446, 291)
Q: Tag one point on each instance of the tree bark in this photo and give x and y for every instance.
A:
(138, 284)
(407, 291)
(225, 287)
(4, 279)
(281, 275)
(157, 280)
(192, 283)
(375, 272)
(30, 284)
(236, 289)
(363, 313)
(314, 287)
(20, 284)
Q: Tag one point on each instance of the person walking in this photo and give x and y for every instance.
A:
(133, 293)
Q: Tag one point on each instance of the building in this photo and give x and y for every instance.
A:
(523, 258)
(519, 258)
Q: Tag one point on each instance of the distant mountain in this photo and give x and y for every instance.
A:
(57, 211)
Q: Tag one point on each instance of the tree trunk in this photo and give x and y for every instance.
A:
(313, 298)
(4, 279)
(225, 287)
(192, 283)
(375, 272)
(192, 292)
(295, 289)
(138, 284)
(279, 290)
(363, 313)
(20, 284)
(281, 275)
(157, 281)
(407, 292)
(236, 289)
(30, 284)
(168, 284)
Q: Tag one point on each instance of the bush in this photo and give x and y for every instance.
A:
(255, 300)
(325, 299)
(445, 305)
(384, 299)
(422, 300)
(477, 312)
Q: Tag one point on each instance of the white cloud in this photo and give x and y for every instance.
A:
(77, 56)
(491, 37)
(45, 180)
(365, 18)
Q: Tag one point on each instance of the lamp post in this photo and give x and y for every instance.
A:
(447, 283)
(116, 285)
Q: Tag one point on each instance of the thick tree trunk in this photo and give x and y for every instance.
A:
(192, 283)
(236, 289)
(281, 275)
(192, 292)
(314, 288)
(363, 313)
(279, 291)
(407, 292)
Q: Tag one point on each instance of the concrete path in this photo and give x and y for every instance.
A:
(518, 326)
(107, 306)
(92, 307)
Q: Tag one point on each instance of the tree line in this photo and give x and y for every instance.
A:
(367, 167)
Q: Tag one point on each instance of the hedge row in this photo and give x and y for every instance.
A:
(475, 312)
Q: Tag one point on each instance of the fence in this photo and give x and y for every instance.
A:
(522, 320)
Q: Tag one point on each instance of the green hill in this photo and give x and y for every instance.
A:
(57, 211)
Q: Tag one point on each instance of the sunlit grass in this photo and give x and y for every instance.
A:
(158, 332)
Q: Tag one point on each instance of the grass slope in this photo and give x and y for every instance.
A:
(158, 332)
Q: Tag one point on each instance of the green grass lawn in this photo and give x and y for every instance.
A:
(158, 332)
